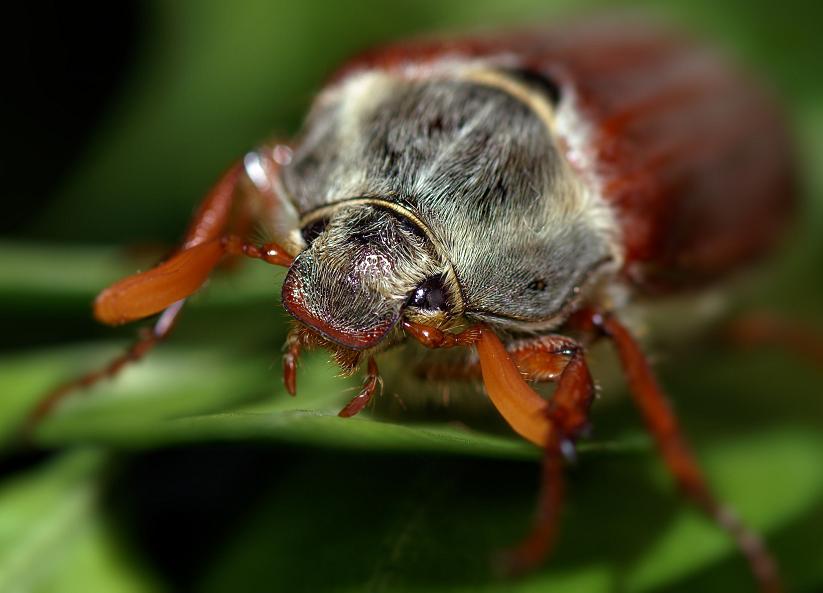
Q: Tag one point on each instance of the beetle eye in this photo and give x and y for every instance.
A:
(313, 229)
(430, 295)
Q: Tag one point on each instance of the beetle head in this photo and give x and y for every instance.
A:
(365, 265)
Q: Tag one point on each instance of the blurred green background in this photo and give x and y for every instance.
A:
(195, 472)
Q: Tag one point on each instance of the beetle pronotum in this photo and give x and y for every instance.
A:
(495, 192)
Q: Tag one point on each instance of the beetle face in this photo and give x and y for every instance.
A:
(364, 267)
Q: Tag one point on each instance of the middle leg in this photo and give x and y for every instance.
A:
(676, 453)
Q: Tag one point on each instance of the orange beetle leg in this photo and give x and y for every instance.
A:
(553, 425)
(366, 394)
(677, 455)
(147, 339)
(761, 328)
(165, 287)
(524, 410)
(133, 297)
(291, 355)
(149, 292)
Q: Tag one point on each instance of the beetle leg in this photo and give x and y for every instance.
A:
(553, 425)
(291, 355)
(204, 245)
(132, 298)
(366, 394)
(141, 295)
(677, 455)
(147, 339)
(149, 292)
(528, 355)
(765, 329)
(522, 408)
(166, 286)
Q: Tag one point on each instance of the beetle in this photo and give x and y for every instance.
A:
(501, 192)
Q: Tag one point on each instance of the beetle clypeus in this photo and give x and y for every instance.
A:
(497, 192)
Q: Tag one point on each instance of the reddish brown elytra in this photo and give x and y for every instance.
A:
(494, 193)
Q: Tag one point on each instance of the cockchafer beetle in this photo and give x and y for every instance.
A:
(495, 192)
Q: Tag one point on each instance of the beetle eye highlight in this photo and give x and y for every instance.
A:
(430, 295)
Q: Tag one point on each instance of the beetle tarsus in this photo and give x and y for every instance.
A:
(535, 547)
(146, 341)
(362, 399)
(290, 359)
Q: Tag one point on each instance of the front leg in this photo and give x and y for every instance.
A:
(549, 358)
(538, 359)
(554, 425)
(165, 287)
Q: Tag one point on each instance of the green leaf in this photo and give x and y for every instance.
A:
(53, 538)
(170, 384)
(96, 558)
(191, 395)
(39, 512)
(371, 523)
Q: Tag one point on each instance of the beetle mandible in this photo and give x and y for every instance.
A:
(497, 192)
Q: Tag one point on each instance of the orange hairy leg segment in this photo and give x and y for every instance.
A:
(205, 243)
(522, 408)
(152, 291)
